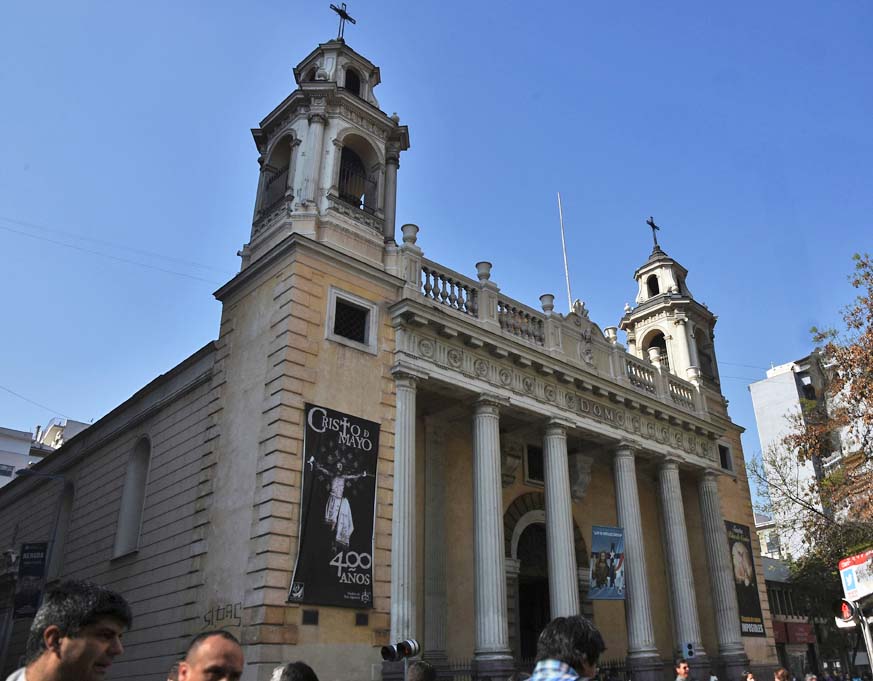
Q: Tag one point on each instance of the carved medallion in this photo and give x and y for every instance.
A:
(456, 358)
(550, 393)
(505, 376)
(426, 347)
(528, 384)
(480, 366)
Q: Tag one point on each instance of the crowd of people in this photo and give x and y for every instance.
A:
(77, 634)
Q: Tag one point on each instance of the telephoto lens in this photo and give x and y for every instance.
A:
(403, 649)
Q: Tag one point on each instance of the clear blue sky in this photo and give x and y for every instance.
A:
(744, 128)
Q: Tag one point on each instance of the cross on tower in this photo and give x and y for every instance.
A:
(651, 223)
(344, 17)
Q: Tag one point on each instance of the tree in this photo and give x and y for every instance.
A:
(831, 511)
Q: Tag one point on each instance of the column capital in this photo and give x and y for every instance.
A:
(404, 372)
(294, 142)
(669, 462)
(555, 426)
(489, 403)
(625, 449)
(317, 117)
(392, 158)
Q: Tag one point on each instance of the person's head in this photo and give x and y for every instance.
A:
(810, 677)
(781, 674)
(748, 676)
(420, 671)
(77, 631)
(573, 640)
(213, 656)
(294, 671)
(681, 667)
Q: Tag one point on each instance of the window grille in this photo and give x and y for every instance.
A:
(350, 321)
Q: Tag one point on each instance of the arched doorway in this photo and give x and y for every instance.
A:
(533, 588)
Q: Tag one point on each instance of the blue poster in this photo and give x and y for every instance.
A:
(607, 564)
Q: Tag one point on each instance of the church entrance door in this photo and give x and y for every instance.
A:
(533, 589)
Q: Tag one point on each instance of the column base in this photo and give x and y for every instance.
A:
(493, 668)
(440, 662)
(733, 665)
(646, 668)
(701, 666)
(392, 671)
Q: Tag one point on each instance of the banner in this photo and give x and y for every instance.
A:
(857, 575)
(337, 510)
(740, 543)
(607, 564)
(31, 579)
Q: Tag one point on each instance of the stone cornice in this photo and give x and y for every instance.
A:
(288, 248)
(603, 408)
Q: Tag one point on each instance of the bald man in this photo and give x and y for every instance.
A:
(212, 656)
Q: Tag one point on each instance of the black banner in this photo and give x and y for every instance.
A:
(337, 509)
(31, 579)
(740, 543)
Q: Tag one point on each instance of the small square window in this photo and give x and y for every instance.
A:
(362, 619)
(534, 465)
(352, 320)
(310, 617)
(6, 471)
(724, 455)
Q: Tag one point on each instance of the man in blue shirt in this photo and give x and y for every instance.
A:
(568, 650)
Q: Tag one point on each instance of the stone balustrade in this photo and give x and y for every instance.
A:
(514, 319)
(449, 288)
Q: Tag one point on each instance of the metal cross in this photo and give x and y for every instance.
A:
(344, 17)
(651, 223)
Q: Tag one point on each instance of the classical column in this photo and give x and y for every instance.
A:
(316, 150)
(434, 543)
(643, 657)
(721, 577)
(292, 167)
(262, 179)
(392, 163)
(682, 350)
(563, 591)
(686, 626)
(492, 656)
(403, 512)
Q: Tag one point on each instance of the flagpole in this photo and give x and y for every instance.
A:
(564, 248)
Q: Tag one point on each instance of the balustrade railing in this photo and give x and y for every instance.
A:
(520, 322)
(640, 375)
(680, 393)
(449, 288)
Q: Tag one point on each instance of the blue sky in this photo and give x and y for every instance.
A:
(128, 171)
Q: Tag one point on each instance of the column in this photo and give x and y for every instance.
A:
(293, 143)
(434, 544)
(492, 657)
(563, 590)
(686, 625)
(392, 163)
(721, 576)
(683, 352)
(262, 178)
(643, 658)
(316, 144)
(403, 512)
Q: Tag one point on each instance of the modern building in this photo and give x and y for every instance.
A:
(377, 447)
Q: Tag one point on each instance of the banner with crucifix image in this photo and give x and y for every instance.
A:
(337, 510)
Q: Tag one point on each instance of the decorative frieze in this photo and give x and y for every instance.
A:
(547, 389)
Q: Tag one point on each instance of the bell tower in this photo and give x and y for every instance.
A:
(667, 326)
(328, 159)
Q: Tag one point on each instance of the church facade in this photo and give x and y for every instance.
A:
(506, 435)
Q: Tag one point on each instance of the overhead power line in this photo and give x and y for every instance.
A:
(110, 256)
(112, 244)
(37, 404)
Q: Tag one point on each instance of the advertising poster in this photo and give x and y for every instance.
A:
(31, 579)
(857, 575)
(337, 510)
(607, 564)
(740, 543)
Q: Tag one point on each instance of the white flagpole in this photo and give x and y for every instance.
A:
(564, 247)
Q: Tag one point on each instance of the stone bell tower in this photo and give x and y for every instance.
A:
(329, 158)
(667, 326)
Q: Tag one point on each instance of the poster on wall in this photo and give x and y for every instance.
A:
(31, 579)
(337, 510)
(740, 543)
(607, 564)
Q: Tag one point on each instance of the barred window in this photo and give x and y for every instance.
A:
(350, 321)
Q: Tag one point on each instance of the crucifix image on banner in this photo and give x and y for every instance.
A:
(337, 507)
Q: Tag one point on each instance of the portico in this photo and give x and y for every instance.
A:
(486, 379)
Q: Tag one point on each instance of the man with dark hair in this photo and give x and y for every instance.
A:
(75, 634)
(212, 656)
(420, 670)
(568, 649)
(294, 671)
(682, 669)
